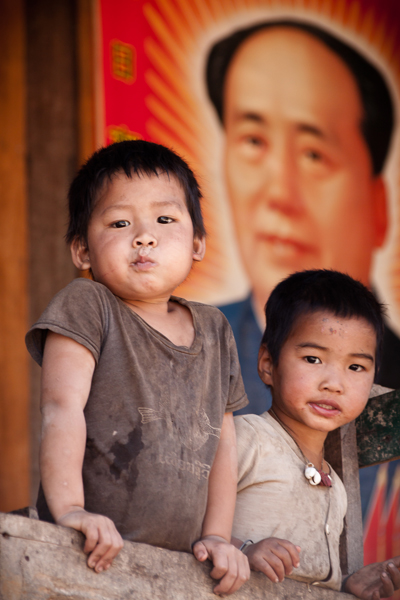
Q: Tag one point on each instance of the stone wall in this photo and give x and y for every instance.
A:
(39, 561)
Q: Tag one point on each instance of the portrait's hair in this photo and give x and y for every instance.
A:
(132, 157)
(378, 119)
(311, 291)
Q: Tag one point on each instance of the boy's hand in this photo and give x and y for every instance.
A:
(230, 565)
(103, 542)
(379, 580)
(273, 557)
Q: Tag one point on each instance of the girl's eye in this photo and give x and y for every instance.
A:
(165, 220)
(119, 224)
(313, 360)
(356, 368)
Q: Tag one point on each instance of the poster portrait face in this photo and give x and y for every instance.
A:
(297, 168)
(299, 172)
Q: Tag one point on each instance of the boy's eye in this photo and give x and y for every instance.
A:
(356, 368)
(119, 224)
(165, 220)
(313, 360)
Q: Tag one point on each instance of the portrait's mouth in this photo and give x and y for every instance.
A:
(286, 247)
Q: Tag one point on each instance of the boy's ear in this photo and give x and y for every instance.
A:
(199, 248)
(265, 366)
(80, 255)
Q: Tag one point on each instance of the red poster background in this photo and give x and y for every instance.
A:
(162, 98)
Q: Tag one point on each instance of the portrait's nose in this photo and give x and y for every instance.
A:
(283, 192)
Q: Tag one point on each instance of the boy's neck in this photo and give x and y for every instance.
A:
(310, 441)
(170, 318)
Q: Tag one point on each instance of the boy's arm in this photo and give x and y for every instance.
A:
(230, 565)
(67, 372)
(379, 580)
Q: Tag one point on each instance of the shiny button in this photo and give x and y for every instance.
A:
(327, 529)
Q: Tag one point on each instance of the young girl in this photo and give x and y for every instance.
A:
(319, 354)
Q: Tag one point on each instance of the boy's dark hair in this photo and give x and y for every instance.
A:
(378, 119)
(132, 157)
(311, 291)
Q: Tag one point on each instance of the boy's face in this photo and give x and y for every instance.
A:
(140, 238)
(325, 372)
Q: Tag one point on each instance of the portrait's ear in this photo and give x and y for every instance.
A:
(80, 255)
(380, 210)
(199, 248)
(265, 366)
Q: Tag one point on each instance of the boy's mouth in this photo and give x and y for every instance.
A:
(326, 408)
(143, 263)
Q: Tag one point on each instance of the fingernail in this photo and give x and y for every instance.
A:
(276, 580)
(384, 574)
(391, 565)
(99, 570)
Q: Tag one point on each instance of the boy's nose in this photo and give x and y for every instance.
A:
(144, 239)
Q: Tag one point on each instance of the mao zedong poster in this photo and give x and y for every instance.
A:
(287, 111)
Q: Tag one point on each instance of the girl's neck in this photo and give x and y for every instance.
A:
(310, 441)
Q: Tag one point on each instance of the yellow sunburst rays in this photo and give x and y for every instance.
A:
(179, 118)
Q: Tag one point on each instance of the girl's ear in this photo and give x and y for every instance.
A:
(199, 248)
(80, 255)
(265, 366)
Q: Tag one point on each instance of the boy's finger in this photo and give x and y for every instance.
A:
(221, 565)
(243, 575)
(227, 581)
(200, 551)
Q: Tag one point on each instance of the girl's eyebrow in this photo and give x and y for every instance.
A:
(311, 345)
(363, 355)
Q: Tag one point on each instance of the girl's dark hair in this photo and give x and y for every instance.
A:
(311, 291)
(132, 157)
(378, 119)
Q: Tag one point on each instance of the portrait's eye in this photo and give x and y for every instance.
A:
(313, 360)
(253, 140)
(356, 368)
(313, 155)
(119, 224)
(165, 220)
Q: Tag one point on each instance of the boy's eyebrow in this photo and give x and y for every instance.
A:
(166, 203)
(353, 354)
(155, 203)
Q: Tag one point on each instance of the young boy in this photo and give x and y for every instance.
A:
(319, 353)
(138, 387)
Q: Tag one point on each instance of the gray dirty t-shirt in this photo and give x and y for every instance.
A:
(154, 411)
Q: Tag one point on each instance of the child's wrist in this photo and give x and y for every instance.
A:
(215, 538)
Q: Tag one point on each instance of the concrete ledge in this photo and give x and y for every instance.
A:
(39, 561)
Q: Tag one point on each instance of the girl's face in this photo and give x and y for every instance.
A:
(325, 372)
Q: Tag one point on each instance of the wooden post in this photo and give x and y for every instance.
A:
(14, 396)
(341, 453)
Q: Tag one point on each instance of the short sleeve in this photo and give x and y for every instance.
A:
(248, 451)
(79, 312)
(237, 396)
